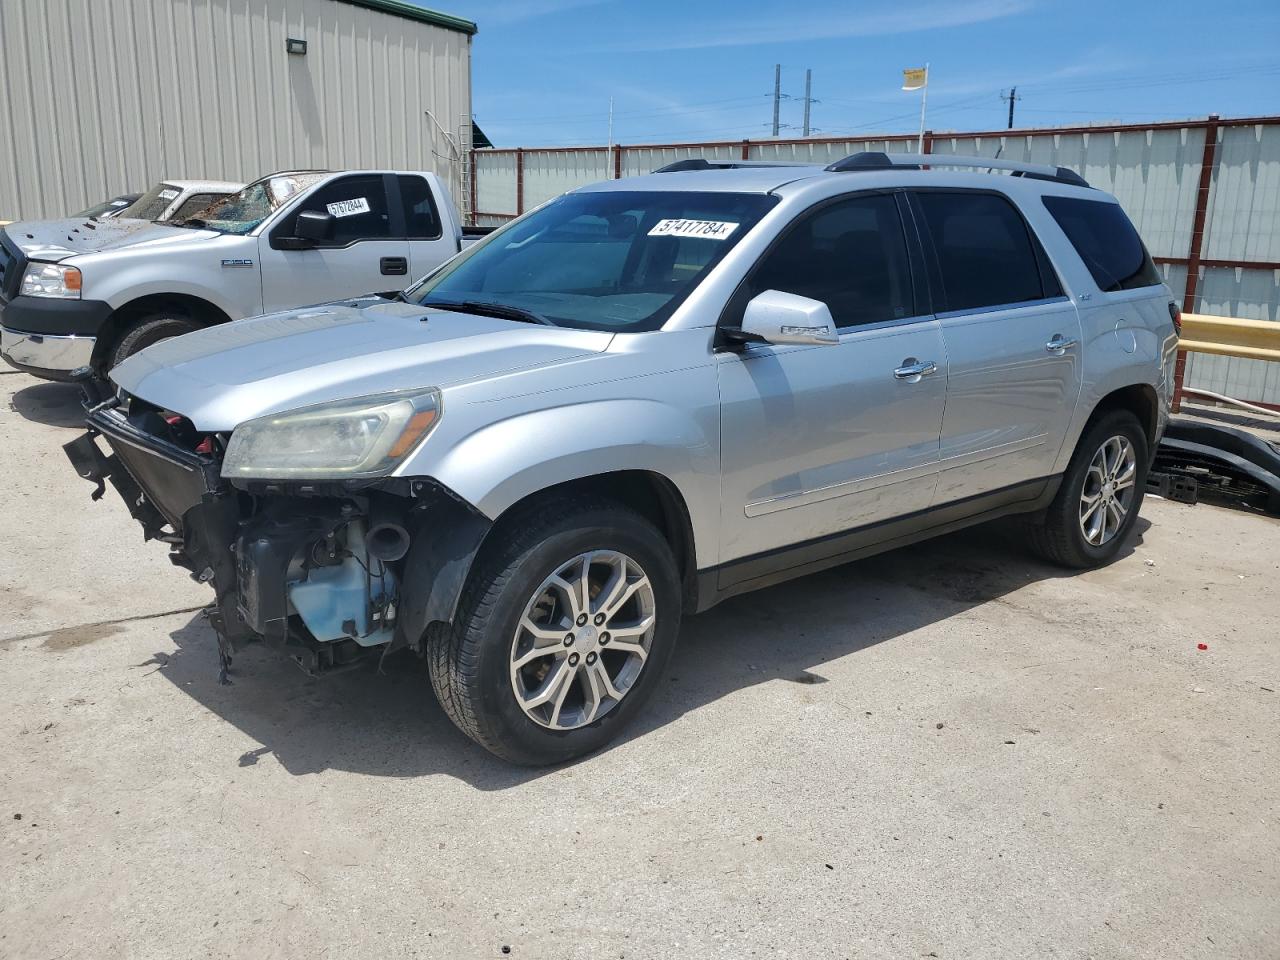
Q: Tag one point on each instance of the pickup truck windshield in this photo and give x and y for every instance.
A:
(152, 204)
(242, 212)
(619, 262)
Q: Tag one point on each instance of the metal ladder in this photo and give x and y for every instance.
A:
(465, 160)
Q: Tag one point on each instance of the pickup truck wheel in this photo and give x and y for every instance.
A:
(144, 332)
(564, 629)
(1095, 509)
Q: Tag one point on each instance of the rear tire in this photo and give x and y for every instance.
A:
(144, 332)
(515, 607)
(1093, 514)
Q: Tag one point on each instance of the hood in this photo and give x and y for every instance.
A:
(54, 240)
(222, 376)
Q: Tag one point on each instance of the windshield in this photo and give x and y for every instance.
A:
(609, 261)
(242, 212)
(152, 204)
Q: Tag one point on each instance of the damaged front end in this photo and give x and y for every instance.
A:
(329, 571)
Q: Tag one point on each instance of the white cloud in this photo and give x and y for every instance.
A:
(516, 11)
(826, 25)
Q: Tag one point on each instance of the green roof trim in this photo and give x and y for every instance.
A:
(411, 11)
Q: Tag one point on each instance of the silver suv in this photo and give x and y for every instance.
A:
(639, 399)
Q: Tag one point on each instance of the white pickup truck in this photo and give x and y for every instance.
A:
(91, 293)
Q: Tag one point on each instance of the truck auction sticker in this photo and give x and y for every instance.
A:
(348, 208)
(705, 229)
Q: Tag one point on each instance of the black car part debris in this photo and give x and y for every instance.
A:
(1198, 460)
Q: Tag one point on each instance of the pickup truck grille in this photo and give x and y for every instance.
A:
(12, 263)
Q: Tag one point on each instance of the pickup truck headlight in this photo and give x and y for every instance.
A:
(51, 280)
(363, 437)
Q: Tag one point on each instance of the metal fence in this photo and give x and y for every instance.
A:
(1205, 194)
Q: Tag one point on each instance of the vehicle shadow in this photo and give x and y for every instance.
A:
(53, 404)
(387, 723)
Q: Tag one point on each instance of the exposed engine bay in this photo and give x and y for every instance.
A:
(318, 569)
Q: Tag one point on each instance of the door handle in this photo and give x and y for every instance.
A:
(1059, 343)
(394, 266)
(913, 369)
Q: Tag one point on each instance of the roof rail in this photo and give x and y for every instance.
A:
(914, 161)
(702, 163)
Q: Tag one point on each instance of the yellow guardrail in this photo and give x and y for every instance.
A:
(1230, 337)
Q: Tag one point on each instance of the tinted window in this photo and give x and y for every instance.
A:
(851, 255)
(985, 252)
(358, 205)
(1106, 241)
(421, 220)
(606, 260)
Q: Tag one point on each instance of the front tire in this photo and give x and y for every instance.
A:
(1093, 514)
(144, 332)
(566, 626)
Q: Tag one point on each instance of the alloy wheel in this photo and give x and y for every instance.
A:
(1108, 491)
(582, 640)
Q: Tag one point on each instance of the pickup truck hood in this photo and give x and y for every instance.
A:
(220, 377)
(54, 240)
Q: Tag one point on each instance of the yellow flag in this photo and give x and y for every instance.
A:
(913, 78)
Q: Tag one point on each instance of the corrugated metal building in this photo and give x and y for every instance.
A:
(102, 97)
(1215, 236)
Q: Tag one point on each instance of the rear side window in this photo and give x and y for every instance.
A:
(422, 222)
(986, 255)
(851, 255)
(1106, 241)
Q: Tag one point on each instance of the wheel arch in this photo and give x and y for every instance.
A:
(201, 311)
(1128, 389)
(648, 493)
(1140, 399)
(448, 538)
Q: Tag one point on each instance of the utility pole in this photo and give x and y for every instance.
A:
(808, 99)
(608, 156)
(1012, 98)
(777, 94)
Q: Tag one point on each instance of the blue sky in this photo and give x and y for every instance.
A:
(544, 70)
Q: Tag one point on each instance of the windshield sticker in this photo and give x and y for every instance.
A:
(169, 194)
(349, 208)
(703, 229)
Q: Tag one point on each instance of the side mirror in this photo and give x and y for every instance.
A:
(314, 226)
(787, 318)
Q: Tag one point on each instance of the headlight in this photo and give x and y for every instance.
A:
(364, 437)
(51, 280)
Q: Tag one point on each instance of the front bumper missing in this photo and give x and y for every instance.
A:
(177, 496)
(250, 546)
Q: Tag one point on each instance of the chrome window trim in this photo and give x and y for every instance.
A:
(1002, 307)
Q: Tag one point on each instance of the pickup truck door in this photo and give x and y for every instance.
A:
(367, 252)
(431, 231)
(1012, 339)
(819, 440)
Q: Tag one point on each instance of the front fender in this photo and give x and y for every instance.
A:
(502, 463)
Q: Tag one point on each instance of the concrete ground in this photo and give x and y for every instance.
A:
(949, 751)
